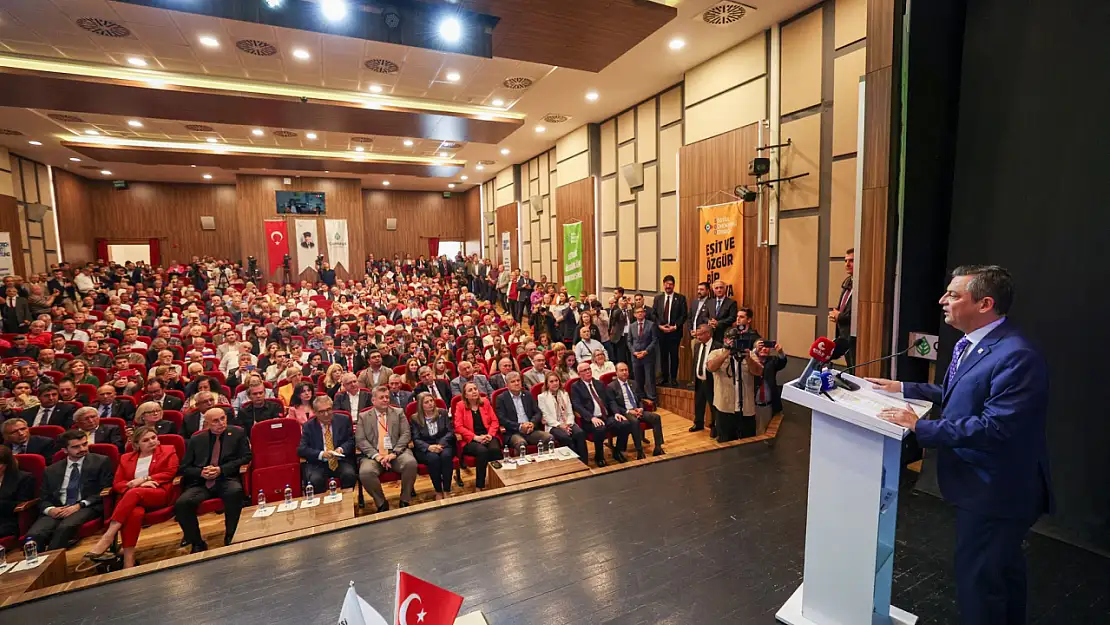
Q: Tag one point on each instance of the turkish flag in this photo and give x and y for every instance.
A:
(277, 244)
(421, 603)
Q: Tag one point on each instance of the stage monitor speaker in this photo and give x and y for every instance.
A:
(390, 223)
(633, 175)
(35, 212)
(207, 222)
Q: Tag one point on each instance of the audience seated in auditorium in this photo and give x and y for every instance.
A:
(50, 411)
(558, 416)
(519, 415)
(383, 437)
(328, 447)
(71, 492)
(467, 375)
(591, 403)
(628, 400)
(477, 426)
(210, 469)
(150, 413)
(433, 441)
(87, 420)
(18, 438)
(300, 406)
(16, 487)
(107, 405)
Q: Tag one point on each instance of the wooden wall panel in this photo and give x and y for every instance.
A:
(801, 62)
(846, 74)
(729, 69)
(729, 111)
(802, 156)
(472, 218)
(851, 21)
(576, 203)
(797, 275)
(9, 222)
(75, 219)
(419, 215)
(507, 222)
(842, 215)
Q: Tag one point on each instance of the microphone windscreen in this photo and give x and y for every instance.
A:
(822, 349)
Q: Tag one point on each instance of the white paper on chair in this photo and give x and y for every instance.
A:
(27, 565)
(310, 503)
(336, 498)
(264, 512)
(4, 568)
(286, 507)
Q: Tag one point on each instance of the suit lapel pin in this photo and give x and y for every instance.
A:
(980, 351)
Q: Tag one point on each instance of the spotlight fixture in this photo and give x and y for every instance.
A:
(75, 159)
(504, 151)
(257, 132)
(464, 177)
(451, 186)
(136, 61)
(443, 155)
(359, 148)
(677, 44)
(207, 176)
(92, 132)
(385, 183)
(311, 136)
(134, 123)
(498, 102)
(273, 4)
(541, 129)
(209, 41)
(333, 10)
(212, 140)
(35, 142)
(192, 165)
(302, 54)
(480, 167)
(453, 76)
(105, 172)
(592, 96)
(450, 30)
(408, 143)
(375, 88)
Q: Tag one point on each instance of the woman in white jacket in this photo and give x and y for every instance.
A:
(559, 417)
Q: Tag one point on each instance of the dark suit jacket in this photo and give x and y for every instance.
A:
(120, 408)
(844, 319)
(506, 412)
(497, 381)
(725, 317)
(62, 415)
(695, 346)
(618, 321)
(679, 311)
(249, 415)
(616, 395)
(443, 387)
(15, 317)
(169, 402)
(38, 445)
(312, 440)
(445, 433)
(235, 452)
(582, 402)
(96, 475)
(109, 434)
(15, 489)
(192, 423)
(646, 342)
(166, 427)
(343, 402)
(399, 398)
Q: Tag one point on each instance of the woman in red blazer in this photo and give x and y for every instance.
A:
(476, 423)
(144, 480)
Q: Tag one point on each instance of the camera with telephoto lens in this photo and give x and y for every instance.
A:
(739, 342)
(285, 260)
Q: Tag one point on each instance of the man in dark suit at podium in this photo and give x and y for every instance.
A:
(992, 456)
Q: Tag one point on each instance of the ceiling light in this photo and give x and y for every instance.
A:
(192, 165)
(453, 76)
(105, 172)
(541, 129)
(375, 88)
(311, 136)
(451, 186)
(274, 4)
(408, 143)
(677, 44)
(592, 96)
(486, 117)
(385, 183)
(154, 82)
(301, 54)
(136, 61)
(35, 142)
(504, 151)
(92, 132)
(498, 102)
(464, 177)
(212, 139)
(207, 176)
(134, 123)
(450, 30)
(75, 159)
(210, 42)
(327, 172)
(443, 154)
(257, 132)
(359, 148)
(480, 167)
(333, 10)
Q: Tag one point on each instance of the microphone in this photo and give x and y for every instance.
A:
(852, 386)
(819, 354)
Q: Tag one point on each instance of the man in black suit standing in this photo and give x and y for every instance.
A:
(18, 437)
(702, 344)
(71, 492)
(722, 311)
(842, 314)
(429, 384)
(670, 308)
(627, 400)
(519, 414)
(158, 395)
(210, 469)
(50, 411)
(15, 311)
(352, 400)
(645, 346)
(699, 308)
(590, 401)
(328, 447)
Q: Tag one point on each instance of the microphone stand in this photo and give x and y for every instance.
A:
(852, 386)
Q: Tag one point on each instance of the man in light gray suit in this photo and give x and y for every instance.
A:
(466, 375)
(383, 437)
(645, 348)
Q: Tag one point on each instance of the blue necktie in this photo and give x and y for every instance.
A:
(957, 352)
(73, 489)
(628, 392)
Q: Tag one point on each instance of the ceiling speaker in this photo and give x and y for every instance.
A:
(537, 203)
(390, 223)
(633, 175)
(35, 212)
(207, 222)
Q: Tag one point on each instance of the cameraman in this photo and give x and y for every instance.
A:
(734, 379)
(770, 359)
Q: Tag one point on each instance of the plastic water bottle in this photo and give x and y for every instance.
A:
(30, 550)
(332, 487)
(551, 445)
(261, 499)
(523, 451)
(826, 380)
(3, 555)
(506, 453)
(288, 494)
(309, 491)
(813, 383)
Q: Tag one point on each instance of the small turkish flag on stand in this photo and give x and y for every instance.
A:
(422, 603)
(277, 244)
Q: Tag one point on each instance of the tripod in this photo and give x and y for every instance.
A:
(286, 275)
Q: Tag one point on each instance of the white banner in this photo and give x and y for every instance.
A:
(7, 263)
(307, 249)
(506, 251)
(338, 250)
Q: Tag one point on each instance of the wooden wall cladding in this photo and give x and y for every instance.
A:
(9, 222)
(507, 222)
(420, 214)
(75, 219)
(472, 219)
(170, 212)
(801, 62)
(576, 203)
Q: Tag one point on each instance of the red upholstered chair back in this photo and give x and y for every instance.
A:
(536, 390)
(274, 442)
(33, 464)
(116, 421)
(496, 393)
(606, 378)
(49, 431)
(175, 416)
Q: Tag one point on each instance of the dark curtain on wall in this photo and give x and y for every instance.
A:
(102, 250)
(433, 247)
(155, 253)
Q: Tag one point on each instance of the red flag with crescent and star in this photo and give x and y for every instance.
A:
(423, 603)
(277, 244)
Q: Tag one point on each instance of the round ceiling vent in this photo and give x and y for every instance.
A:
(381, 66)
(199, 128)
(257, 47)
(63, 117)
(284, 133)
(486, 163)
(517, 83)
(724, 13)
(103, 27)
(555, 118)
(9, 132)
(362, 139)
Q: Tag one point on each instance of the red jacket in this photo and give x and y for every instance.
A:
(163, 468)
(464, 422)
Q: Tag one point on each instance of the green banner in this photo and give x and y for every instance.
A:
(572, 258)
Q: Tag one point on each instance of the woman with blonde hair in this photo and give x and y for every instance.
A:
(558, 416)
(331, 379)
(78, 371)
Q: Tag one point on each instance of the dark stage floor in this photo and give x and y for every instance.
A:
(714, 538)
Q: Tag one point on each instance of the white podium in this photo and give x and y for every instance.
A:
(853, 503)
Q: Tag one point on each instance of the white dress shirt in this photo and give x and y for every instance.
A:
(142, 467)
(354, 403)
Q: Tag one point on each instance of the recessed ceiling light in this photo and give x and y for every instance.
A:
(136, 61)
(453, 76)
(154, 82)
(375, 88)
(486, 117)
(327, 172)
(385, 183)
(677, 44)
(592, 96)
(301, 54)
(212, 139)
(105, 172)
(209, 41)
(75, 159)
(504, 151)
(92, 132)
(450, 30)
(207, 176)
(451, 186)
(541, 129)
(192, 165)
(408, 143)
(257, 132)
(359, 148)
(274, 4)
(464, 177)
(498, 102)
(35, 142)
(134, 123)
(311, 135)
(480, 167)
(443, 155)
(333, 10)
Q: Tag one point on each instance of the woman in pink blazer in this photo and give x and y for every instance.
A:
(477, 425)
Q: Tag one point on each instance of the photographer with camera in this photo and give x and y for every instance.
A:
(768, 401)
(734, 368)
